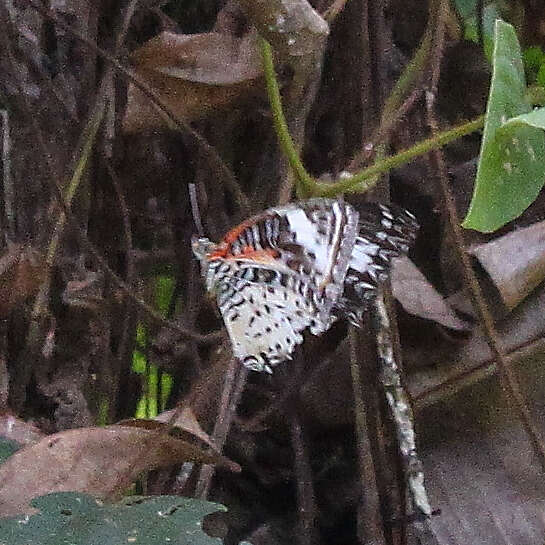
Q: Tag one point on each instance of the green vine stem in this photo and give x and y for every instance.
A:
(357, 183)
(306, 185)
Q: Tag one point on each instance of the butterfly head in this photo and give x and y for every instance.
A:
(209, 255)
(202, 247)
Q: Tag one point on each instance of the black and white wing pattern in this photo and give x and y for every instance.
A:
(300, 266)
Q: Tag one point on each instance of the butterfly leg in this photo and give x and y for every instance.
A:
(400, 408)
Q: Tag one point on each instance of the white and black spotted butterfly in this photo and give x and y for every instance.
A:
(304, 265)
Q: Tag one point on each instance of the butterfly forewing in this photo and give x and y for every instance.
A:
(313, 238)
(384, 232)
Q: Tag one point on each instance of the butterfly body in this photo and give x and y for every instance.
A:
(304, 265)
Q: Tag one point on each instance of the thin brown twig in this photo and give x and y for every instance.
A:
(488, 367)
(397, 100)
(369, 513)
(203, 339)
(123, 347)
(7, 180)
(509, 381)
(382, 133)
(306, 503)
(257, 421)
(233, 386)
(404, 502)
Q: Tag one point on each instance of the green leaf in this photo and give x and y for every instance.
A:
(467, 10)
(70, 518)
(540, 76)
(511, 168)
(7, 448)
(533, 58)
(164, 288)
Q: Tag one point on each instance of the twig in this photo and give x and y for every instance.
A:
(399, 406)
(123, 349)
(306, 183)
(412, 73)
(394, 104)
(382, 133)
(486, 368)
(306, 504)
(195, 209)
(88, 139)
(257, 420)
(235, 380)
(369, 513)
(509, 381)
(9, 190)
(366, 179)
(510, 384)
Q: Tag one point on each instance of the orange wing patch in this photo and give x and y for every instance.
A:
(262, 256)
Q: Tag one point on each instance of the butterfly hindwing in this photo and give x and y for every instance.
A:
(265, 321)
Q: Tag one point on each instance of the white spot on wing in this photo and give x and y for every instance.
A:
(362, 256)
(306, 235)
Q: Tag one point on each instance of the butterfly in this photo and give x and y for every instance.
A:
(300, 266)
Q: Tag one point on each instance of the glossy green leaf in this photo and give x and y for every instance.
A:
(511, 167)
(70, 518)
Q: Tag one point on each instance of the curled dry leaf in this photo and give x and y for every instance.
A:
(417, 296)
(102, 462)
(21, 273)
(194, 75)
(187, 421)
(515, 262)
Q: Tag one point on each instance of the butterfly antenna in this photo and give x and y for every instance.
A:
(195, 209)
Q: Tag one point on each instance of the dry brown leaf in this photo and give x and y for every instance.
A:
(194, 74)
(102, 462)
(21, 273)
(212, 58)
(515, 262)
(187, 421)
(417, 296)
